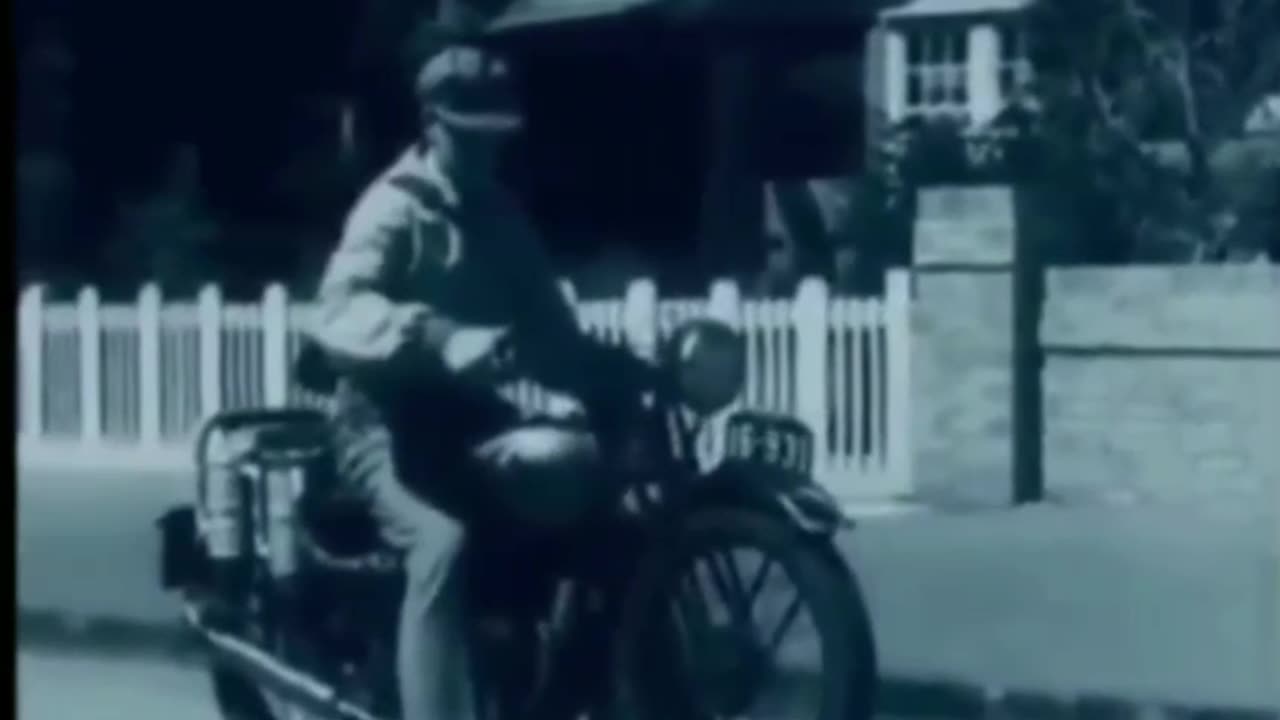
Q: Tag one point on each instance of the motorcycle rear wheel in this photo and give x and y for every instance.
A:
(827, 587)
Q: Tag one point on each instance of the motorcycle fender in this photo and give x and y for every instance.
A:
(183, 563)
(808, 507)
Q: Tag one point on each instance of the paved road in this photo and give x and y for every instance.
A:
(56, 686)
(1177, 603)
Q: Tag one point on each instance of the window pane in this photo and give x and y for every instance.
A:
(936, 89)
(1023, 73)
(1012, 43)
(958, 46)
(959, 89)
(1006, 80)
(913, 88)
(932, 48)
(915, 48)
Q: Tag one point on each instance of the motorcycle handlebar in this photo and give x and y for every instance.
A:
(233, 420)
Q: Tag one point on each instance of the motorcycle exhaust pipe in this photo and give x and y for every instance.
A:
(295, 686)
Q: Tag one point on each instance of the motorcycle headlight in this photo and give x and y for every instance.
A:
(708, 361)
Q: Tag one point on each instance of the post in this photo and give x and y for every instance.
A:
(983, 72)
(725, 303)
(1027, 356)
(898, 337)
(275, 345)
(732, 208)
(640, 317)
(90, 325)
(149, 364)
(571, 297)
(31, 349)
(209, 315)
(895, 74)
(347, 129)
(809, 316)
(962, 319)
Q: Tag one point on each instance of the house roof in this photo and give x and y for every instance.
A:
(1265, 118)
(515, 15)
(943, 8)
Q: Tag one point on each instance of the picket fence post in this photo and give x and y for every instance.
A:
(31, 347)
(91, 401)
(275, 345)
(570, 293)
(809, 316)
(898, 368)
(640, 317)
(149, 365)
(724, 303)
(209, 314)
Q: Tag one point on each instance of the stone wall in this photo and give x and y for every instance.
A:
(961, 340)
(1158, 382)
(1162, 382)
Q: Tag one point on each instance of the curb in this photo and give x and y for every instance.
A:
(900, 697)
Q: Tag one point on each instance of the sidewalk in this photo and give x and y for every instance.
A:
(1087, 606)
(1177, 604)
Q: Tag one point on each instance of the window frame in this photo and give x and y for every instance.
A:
(936, 70)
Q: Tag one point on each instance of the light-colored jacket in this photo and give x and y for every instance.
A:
(476, 262)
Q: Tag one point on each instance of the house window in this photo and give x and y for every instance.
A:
(1015, 61)
(937, 76)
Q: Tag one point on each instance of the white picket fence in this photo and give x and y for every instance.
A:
(104, 383)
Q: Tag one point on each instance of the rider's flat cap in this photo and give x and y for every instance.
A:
(469, 88)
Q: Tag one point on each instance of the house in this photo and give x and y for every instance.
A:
(1265, 118)
(956, 58)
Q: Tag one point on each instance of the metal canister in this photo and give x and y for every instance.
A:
(224, 522)
(222, 516)
(281, 480)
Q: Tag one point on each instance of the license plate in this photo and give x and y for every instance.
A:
(774, 443)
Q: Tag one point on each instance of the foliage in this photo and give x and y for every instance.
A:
(44, 191)
(1134, 135)
(167, 236)
(1150, 96)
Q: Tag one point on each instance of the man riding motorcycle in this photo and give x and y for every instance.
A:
(436, 273)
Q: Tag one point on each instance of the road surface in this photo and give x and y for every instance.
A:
(1177, 602)
(58, 686)
(54, 685)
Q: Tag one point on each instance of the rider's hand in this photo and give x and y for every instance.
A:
(475, 350)
(413, 319)
(560, 406)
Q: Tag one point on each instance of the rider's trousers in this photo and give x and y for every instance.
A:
(432, 664)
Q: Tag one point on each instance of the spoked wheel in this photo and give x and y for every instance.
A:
(740, 617)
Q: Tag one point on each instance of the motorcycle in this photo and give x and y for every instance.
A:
(635, 606)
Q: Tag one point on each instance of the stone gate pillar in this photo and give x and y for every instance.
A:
(966, 342)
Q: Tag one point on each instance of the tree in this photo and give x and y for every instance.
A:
(1151, 97)
(168, 236)
(44, 179)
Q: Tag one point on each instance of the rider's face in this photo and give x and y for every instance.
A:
(470, 156)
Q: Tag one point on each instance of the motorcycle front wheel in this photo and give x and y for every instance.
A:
(688, 648)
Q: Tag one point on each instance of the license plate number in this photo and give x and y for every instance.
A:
(778, 444)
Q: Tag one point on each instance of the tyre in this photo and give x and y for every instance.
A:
(652, 681)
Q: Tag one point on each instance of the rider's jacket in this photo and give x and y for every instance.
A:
(411, 238)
